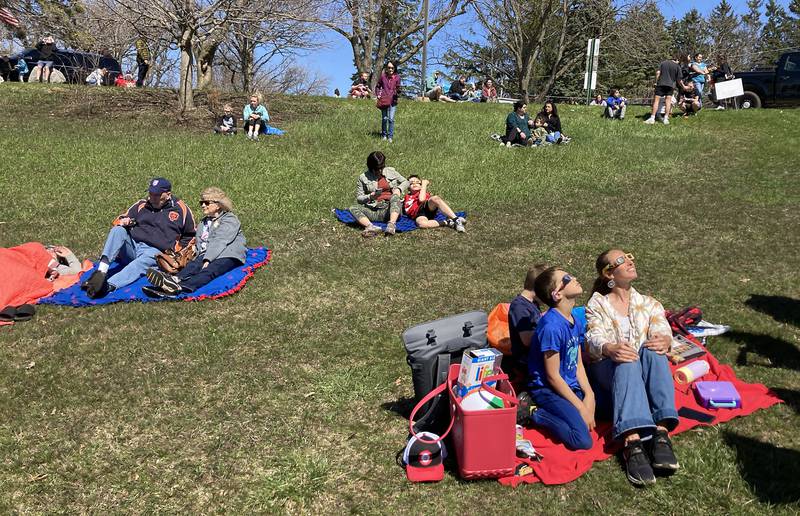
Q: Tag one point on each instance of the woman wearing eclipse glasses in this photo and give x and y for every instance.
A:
(628, 336)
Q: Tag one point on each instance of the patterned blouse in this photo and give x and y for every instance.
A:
(646, 316)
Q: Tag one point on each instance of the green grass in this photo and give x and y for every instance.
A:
(284, 396)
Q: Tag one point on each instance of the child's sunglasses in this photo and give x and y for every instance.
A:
(619, 261)
(564, 281)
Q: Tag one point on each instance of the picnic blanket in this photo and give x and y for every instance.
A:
(222, 286)
(404, 224)
(560, 465)
(24, 268)
(271, 131)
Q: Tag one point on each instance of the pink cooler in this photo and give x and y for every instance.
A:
(484, 440)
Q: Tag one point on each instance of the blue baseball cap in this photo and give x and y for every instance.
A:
(160, 185)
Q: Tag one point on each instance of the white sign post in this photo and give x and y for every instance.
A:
(592, 62)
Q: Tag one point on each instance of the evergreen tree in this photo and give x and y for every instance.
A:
(690, 33)
(725, 32)
(751, 28)
(774, 38)
(794, 24)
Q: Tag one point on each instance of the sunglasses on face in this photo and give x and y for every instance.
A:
(564, 282)
(207, 203)
(619, 261)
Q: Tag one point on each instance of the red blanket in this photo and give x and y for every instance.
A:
(23, 268)
(560, 465)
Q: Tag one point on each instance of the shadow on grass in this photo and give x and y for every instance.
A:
(770, 471)
(781, 308)
(780, 353)
(790, 397)
(401, 407)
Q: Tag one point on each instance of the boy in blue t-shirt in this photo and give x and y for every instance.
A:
(558, 384)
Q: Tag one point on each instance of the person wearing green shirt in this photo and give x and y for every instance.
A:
(433, 90)
(518, 131)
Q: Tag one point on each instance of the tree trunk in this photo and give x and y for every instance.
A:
(205, 65)
(185, 91)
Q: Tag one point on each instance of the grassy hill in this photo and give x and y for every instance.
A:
(288, 396)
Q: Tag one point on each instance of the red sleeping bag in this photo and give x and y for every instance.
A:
(24, 268)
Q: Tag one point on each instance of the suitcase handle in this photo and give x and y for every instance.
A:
(722, 404)
(435, 392)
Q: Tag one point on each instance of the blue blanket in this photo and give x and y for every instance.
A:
(271, 131)
(404, 224)
(222, 286)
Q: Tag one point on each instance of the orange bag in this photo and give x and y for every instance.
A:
(497, 332)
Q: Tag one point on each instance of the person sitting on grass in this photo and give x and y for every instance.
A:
(360, 89)
(150, 226)
(627, 339)
(422, 207)
(557, 383)
(690, 102)
(616, 105)
(97, 77)
(488, 92)
(255, 118)
(598, 101)
(433, 90)
(458, 89)
(523, 316)
(227, 123)
(539, 135)
(518, 131)
(552, 122)
(221, 247)
(379, 194)
(22, 69)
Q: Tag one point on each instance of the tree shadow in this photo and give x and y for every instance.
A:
(779, 352)
(781, 308)
(770, 471)
(790, 397)
(401, 407)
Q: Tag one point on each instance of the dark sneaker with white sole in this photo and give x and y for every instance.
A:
(95, 286)
(525, 408)
(661, 451)
(164, 281)
(637, 464)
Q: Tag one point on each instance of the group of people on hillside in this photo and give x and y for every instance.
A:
(254, 115)
(460, 90)
(161, 223)
(543, 129)
(615, 367)
(383, 195)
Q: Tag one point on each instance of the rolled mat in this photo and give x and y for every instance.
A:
(222, 286)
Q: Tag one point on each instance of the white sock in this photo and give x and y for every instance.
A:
(103, 267)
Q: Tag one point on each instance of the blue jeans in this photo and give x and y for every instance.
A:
(553, 137)
(387, 121)
(561, 418)
(699, 87)
(640, 394)
(135, 257)
(194, 276)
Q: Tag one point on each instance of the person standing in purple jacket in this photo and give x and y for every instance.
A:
(386, 91)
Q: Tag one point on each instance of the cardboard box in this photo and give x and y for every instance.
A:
(477, 364)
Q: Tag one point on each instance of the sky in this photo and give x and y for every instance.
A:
(335, 61)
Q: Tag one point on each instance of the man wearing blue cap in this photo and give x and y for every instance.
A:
(150, 226)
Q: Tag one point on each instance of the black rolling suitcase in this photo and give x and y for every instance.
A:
(431, 348)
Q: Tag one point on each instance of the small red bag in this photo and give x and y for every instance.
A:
(384, 101)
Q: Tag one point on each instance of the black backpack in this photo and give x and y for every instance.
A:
(431, 348)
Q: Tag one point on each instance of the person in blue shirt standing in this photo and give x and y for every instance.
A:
(699, 70)
(557, 382)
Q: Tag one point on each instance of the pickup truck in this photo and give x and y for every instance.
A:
(777, 87)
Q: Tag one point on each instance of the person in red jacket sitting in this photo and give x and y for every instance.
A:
(421, 206)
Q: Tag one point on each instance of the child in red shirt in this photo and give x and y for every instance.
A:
(421, 206)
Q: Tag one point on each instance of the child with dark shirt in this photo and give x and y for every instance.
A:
(558, 385)
(523, 316)
(690, 102)
(227, 123)
(419, 205)
(552, 123)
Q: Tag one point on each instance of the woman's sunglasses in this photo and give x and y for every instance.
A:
(619, 261)
(207, 203)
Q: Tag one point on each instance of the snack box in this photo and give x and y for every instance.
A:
(715, 395)
(477, 364)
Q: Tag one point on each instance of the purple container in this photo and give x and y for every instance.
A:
(716, 395)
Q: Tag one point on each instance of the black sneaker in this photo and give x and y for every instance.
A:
(96, 285)
(525, 408)
(637, 464)
(157, 292)
(163, 281)
(661, 452)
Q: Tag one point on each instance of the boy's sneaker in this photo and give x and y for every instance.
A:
(450, 223)
(650, 121)
(720, 108)
(383, 137)
(391, 229)
(637, 464)
(661, 452)
(496, 137)
(164, 281)
(525, 408)
(666, 121)
(371, 231)
(459, 224)
(391, 140)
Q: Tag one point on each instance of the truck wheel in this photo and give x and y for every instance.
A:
(749, 100)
